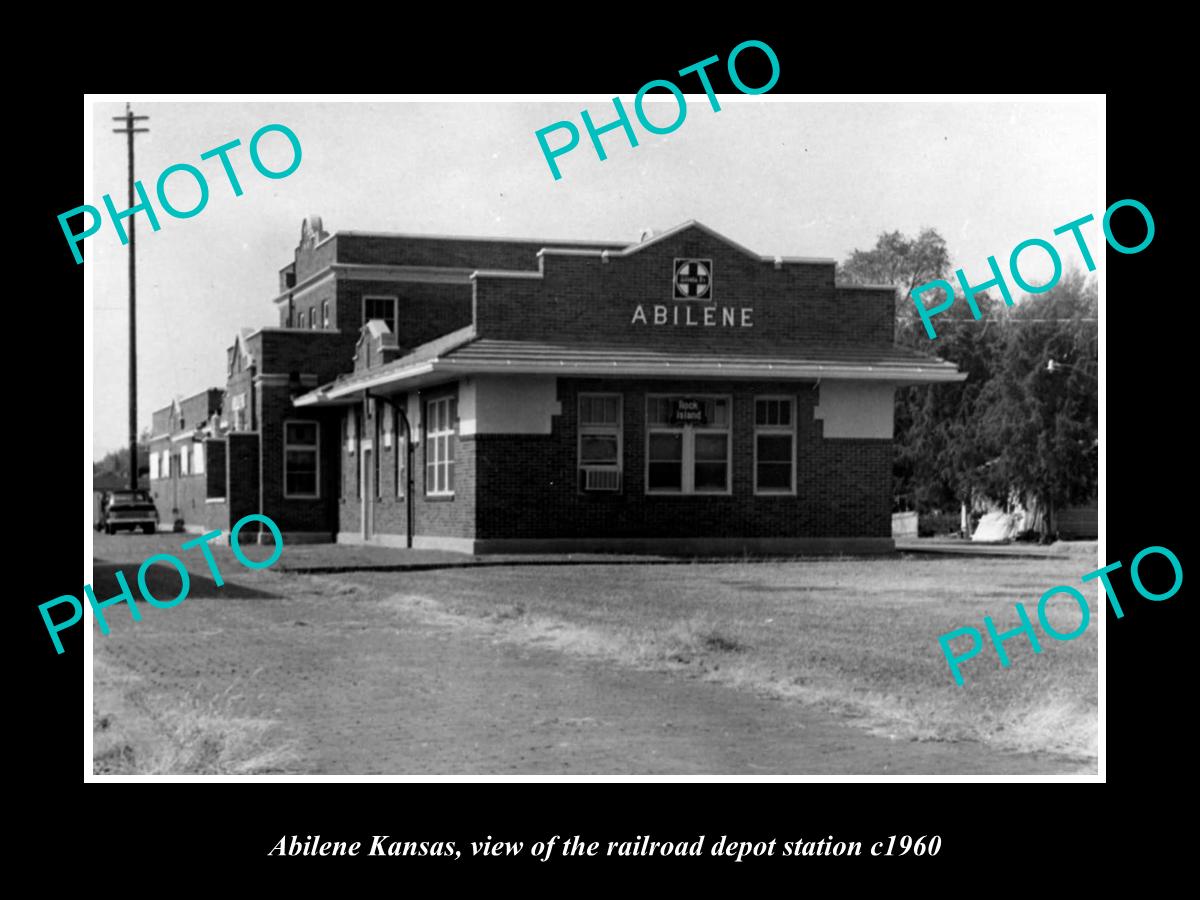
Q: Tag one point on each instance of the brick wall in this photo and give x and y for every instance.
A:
(187, 497)
(871, 311)
(322, 353)
(528, 484)
(400, 251)
(194, 411)
(496, 253)
(584, 299)
(160, 421)
(311, 259)
(241, 484)
(294, 514)
(241, 382)
(349, 506)
(310, 303)
(432, 516)
(425, 310)
(390, 509)
(189, 501)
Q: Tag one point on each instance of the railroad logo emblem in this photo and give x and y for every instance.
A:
(693, 279)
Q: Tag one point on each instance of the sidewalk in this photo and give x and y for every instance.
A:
(323, 559)
(959, 547)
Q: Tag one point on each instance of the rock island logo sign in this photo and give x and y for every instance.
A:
(693, 279)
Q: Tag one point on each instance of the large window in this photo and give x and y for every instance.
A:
(301, 460)
(774, 445)
(198, 458)
(687, 445)
(440, 422)
(380, 308)
(600, 442)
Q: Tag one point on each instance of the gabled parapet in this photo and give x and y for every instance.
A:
(687, 287)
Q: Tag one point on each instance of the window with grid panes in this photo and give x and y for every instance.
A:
(440, 425)
(691, 458)
(380, 308)
(774, 445)
(600, 436)
(300, 459)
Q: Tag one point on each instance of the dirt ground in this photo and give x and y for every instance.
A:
(338, 674)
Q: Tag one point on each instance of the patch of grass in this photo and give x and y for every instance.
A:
(684, 641)
(141, 733)
(516, 611)
(854, 636)
(205, 738)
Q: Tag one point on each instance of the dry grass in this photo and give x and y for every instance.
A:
(140, 732)
(854, 637)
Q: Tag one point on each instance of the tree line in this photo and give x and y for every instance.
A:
(1022, 429)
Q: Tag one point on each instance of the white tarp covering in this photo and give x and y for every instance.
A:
(998, 526)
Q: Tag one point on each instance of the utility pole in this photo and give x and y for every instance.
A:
(129, 118)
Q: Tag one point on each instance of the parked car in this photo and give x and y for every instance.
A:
(127, 509)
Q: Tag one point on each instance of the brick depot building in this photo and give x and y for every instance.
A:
(491, 395)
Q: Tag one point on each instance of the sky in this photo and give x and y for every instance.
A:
(779, 176)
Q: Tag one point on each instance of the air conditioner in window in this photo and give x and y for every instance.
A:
(601, 478)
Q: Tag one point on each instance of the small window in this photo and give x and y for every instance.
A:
(325, 314)
(301, 321)
(441, 420)
(301, 458)
(380, 308)
(198, 458)
(312, 319)
(185, 453)
(774, 445)
(600, 439)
